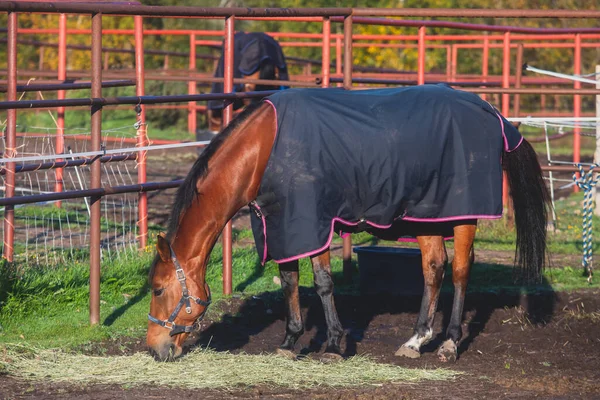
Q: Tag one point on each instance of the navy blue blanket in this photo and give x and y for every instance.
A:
(361, 160)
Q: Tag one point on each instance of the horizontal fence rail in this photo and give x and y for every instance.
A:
(214, 12)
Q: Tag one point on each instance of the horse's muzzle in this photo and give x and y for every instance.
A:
(167, 351)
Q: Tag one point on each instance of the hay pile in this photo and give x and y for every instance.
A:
(206, 369)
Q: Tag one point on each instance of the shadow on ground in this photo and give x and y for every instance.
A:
(258, 323)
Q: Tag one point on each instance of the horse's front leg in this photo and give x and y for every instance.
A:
(294, 325)
(461, 267)
(324, 287)
(434, 259)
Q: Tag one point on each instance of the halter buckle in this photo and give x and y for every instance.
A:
(180, 275)
(188, 310)
(169, 325)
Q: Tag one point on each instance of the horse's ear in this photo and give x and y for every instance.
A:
(162, 247)
(516, 124)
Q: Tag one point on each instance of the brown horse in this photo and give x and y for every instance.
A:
(228, 176)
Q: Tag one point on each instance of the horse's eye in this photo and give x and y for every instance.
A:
(158, 292)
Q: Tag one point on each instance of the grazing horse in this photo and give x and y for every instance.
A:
(423, 162)
(256, 55)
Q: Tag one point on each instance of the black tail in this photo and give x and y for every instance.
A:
(531, 201)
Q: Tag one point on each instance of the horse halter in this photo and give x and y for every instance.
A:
(185, 299)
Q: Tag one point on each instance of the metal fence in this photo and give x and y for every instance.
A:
(97, 155)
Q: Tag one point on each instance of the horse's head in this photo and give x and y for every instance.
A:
(178, 302)
(267, 71)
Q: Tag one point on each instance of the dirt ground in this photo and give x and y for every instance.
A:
(514, 347)
(545, 345)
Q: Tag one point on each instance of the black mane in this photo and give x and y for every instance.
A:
(187, 191)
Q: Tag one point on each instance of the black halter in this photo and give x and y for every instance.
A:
(185, 299)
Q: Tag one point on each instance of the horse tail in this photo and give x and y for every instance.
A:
(531, 201)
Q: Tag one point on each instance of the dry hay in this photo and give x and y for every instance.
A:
(206, 369)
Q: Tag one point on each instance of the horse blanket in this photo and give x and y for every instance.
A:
(381, 160)
(250, 51)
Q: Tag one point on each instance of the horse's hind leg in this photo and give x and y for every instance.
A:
(324, 287)
(461, 267)
(434, 259)
(294, 325)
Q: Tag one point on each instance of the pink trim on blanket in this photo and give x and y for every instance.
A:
(276, 120)
(504, 134)
(337, 219)
(447, 219)
(264, 224)
(313, 252)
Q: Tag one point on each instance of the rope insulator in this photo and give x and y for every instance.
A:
(587, 182)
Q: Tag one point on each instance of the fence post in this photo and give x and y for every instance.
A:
(142, 134)
(227, 115)
(326, 52)
(60, 120)
(485, 57)
(597, 153)
(96, 116)
(338, 57)
(453, 63)
(348, 52)
(506, 108)
(577, 104)
(347, 240)
(10, 149)
(421, 57)
(518, 79)
(192, 115)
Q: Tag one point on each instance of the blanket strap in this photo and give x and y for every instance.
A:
(265, 204)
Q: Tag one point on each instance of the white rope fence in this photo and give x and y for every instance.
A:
(105, 152)
(50, 235)
(579, 78)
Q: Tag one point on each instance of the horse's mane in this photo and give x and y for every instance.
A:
(187, 191)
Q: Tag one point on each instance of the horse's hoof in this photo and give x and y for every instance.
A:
(448, 351)
(405, 351)
(287, 354)
(329, 358)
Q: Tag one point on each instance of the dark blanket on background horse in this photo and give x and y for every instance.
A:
(250, 51)
(366, 158)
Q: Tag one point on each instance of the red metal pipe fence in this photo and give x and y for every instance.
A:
(10, 136)
(141, 134)
(227, 116)
(344, 70)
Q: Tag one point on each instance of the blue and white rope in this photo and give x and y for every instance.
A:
(587, 183)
